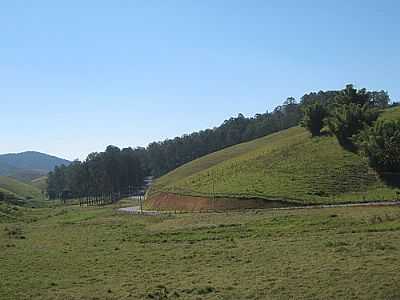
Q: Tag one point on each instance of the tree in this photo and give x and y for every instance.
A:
(381, 144)
(350, 95)
(380, 99)
(326, 98)
(348, 120)
(314, 116)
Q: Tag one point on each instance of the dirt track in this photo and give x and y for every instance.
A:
(172, 202)
(169, 201)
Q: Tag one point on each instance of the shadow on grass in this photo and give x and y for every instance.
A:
(392, 179)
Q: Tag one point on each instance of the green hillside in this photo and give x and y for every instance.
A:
(40, 183)
(19, 189)
(288, 165)
(7, 194)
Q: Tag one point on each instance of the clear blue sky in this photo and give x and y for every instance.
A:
(76, 76)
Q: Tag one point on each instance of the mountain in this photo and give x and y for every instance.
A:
(28, 165)
(281, 168)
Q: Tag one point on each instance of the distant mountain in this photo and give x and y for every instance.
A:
(28, 165)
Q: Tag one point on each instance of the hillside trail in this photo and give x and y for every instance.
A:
(136, 209)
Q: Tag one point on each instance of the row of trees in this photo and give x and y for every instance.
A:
(352, 116)
(111, 171)
(167, 155)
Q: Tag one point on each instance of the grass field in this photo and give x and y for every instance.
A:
(19, 189)
(97, 253)
(289, 165)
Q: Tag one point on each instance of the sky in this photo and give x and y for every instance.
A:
(76, 76)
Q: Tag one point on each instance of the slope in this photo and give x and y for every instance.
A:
(287, 166)
(40, 183)
(20, 189)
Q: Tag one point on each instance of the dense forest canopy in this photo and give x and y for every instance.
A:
(116, 170)
(111, 171)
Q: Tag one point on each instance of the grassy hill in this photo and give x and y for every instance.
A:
(19, 189)
(40, 183)
(288, 165)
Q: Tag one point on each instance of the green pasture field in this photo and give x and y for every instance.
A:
(68, 252)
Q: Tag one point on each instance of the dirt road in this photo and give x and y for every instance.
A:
(136, 209)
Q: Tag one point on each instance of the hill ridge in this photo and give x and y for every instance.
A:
(28, 165)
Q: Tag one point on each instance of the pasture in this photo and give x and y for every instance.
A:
(68, 252)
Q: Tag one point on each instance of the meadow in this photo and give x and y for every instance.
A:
(68, 252)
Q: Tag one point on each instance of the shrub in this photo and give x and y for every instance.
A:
(381, 144)
(348, 120)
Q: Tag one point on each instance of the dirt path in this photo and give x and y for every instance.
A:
(136, 209)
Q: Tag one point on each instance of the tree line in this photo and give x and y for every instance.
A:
(111, 171)
(167, 155)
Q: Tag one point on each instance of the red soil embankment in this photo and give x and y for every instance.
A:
(169, 201)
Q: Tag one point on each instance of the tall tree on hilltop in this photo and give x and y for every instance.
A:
(314, 117)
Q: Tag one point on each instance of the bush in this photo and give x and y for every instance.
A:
(349, 120)
(381, 144)
(314, 116)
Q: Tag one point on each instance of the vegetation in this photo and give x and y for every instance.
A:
(361, 97)
(314, 117)
(353, 122)
(111, 171)
(83, 253)
(350, 119)
(18, 190)
(40, 183)
(106, 172)
(288, 165)
(165, 156)
(6, 196)
(353, 111)
(381, 144)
